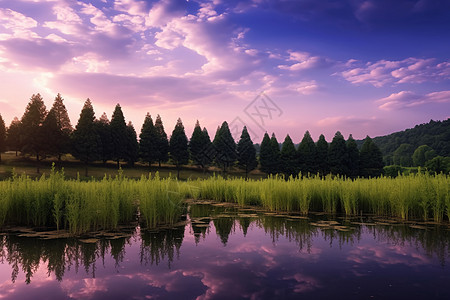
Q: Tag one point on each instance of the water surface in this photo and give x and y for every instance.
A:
(222, 253)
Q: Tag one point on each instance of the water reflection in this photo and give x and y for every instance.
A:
(226, 253)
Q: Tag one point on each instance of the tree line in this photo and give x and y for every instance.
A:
(49, 133)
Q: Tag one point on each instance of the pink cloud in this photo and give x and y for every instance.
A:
(304, 61)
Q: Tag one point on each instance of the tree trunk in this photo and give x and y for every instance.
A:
(16, 153)
(0, 157)
(37, 164)
(86, 169)
(159, 161)
(178, 173)
(246, 173)
(59, 157)
(118, 164)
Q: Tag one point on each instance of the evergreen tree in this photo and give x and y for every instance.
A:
(338, 156)
(31, 123)
(371, 159)
(119, 135)
(132, 145)
(307, 155)
(225, 146)
(246, 153)
(422, 154)
(322, 155)
(2, 137)
(85, 140)
(288, 158)
(148, 141)
(162, 144)
(196, 145)
(62, 136)
(13, 135)
(265, 154)
(207, 155)
(353, 157)
(51, 135)
(178, 146)
(275, 149)
(103, 129)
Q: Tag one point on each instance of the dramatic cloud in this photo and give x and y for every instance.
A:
(406, 99)
(383, 72)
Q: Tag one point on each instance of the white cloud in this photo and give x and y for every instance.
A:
(406, 99)
(304, 61)
(19, 24)
(382, 72)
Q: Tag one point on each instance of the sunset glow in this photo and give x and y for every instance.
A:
(366, 67)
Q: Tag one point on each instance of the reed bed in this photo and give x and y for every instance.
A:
(413, 196)
(80, 206)
(83, 206)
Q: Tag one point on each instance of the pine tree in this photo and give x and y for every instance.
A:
(85, 140)
(119, 135)
(30, 129)
(246, 153)
(225, 146)
(13, 135)
(2, 137)
(178, 146)
(207, 155)
(61, 139)
(371, 159)
(103, 129)
(353, 157)
(322, 155)
(265, 154)
(275, 149)
(196, 145)
(148, 141)
(132, 145)
(51, 135)
(338, 156)
(307, 155)
(162, 144)
(288, 158)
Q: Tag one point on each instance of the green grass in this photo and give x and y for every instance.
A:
(86, 205)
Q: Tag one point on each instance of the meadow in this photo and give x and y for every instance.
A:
(82, 206)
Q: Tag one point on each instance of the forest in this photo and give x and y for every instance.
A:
(41, 133)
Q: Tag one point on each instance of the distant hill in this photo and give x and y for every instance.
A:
(435, 134)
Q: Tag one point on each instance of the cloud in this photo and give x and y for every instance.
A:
(304, 61)
(17, 23)
(383, 72)
(406, 99)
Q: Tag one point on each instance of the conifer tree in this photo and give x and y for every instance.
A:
(85, 140)
(322, 155)
(132, 145)
(178, 146)
(148, 141)
(225, 146)
(62, 135)
(288, 158)
(265, 154)
(275, 149)
(2, 137)
(207, 155)
(162, 143)
(13, 135)
(51, 135)
(246, 153)
(338, 156)
(103, 129)
(196, 145)
(307, 155)
(371, 159)
(31, 123)
(119, 135)
(353, 157)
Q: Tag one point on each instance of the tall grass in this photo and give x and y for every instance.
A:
(81, 206)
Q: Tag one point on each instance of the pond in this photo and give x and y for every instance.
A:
(222, 252)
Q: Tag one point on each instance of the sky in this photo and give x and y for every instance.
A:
(363, 67)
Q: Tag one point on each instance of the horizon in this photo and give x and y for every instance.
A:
(358, 67)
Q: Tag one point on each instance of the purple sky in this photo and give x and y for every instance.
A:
(366, 67)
